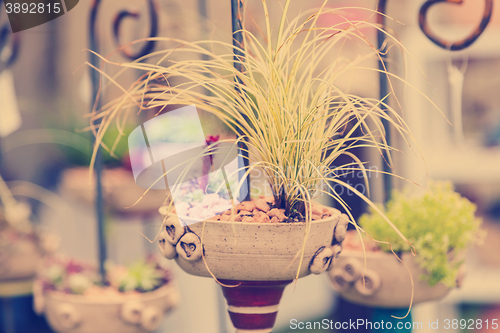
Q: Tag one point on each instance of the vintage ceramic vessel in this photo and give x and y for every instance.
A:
(386, 280)
(119, 189)
(136, 313)
(253, 261)
(19, 259)
(20, 256)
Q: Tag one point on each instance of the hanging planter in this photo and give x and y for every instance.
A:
(20, 254)
(280, 99)
(253, 261)
(22, 246)
(119, 190)
(440, 224)
(134, 300)
(385, 283)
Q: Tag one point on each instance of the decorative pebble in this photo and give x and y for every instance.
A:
(317, 210)
(215, 208)
(262, 205)
(261, 217)
(316, 217)
(278, 213)
(246, 205)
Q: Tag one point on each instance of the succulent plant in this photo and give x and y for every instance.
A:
(440, 224)
(71, 276)
(141, 277)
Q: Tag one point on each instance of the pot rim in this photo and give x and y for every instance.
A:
(333, 210)
(373, 254)
(83, 299)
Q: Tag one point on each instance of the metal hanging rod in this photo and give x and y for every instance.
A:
(236, 24)
(95, 98)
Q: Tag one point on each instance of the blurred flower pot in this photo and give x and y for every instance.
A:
(20, 256)
(253, 261)
(119, 187)
(386, 282)
(105, 312)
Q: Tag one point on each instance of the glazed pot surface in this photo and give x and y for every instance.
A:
(20, 260)
(251, 251)
(139, 313)
(387, 281)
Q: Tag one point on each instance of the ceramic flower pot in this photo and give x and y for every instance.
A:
(254, 260)
(119, 187)
(19, 259)
(134, 313)
(386, 280)
(20, 255)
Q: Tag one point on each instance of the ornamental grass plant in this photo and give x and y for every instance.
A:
(277, 96)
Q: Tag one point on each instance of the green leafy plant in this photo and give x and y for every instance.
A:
(440, 224)
(142, 276)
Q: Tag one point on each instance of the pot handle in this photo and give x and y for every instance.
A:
(131, 312)
(189, 247)
(340, 230)
(68, 316)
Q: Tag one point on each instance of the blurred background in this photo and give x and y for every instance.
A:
(47, 92)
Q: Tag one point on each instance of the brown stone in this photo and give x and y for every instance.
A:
(247, 219)
(245, 212)
(317, 210)
(274, 220)
(262, 217)
(246, 205)
(262, 205)
(316, 217)
(278, 213)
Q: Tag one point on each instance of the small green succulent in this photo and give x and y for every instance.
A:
(439, 224)
(141, 277)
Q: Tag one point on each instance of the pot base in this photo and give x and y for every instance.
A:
(253, 305)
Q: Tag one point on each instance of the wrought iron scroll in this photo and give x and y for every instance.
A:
(461, 44)
(153, 31)
(5, 35)
(95, 79)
